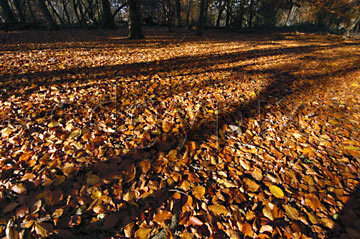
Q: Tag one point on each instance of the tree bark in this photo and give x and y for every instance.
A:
(45, 11)
(221, 10)
(135, 31)
(228, 14)
(169, 15)
(200, 23)
(107, 17)
(206, 13)
(7, 12)
(240, 17)
(56, 13)
(178, 13)
(33, 17)
(251, 14)
(19, 11)
(188, 13)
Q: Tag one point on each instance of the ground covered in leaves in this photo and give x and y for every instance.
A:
(227, 135)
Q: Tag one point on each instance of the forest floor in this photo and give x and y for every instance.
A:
(227, 135)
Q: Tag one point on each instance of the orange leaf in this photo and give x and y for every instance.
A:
(218, 210)
(161, 216)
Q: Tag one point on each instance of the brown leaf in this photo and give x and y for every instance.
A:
(92, 179)
(247, 230)
(291, 212)
(327, 222)
(19, 188)
(194, 221)
(199, 192)
(218, 210)
(128, 229)
(312, 201)
(257, 174)
(36, 207)
(266, 228)
(43, 229)
(251, 185)
(22, 211)
(161, 216)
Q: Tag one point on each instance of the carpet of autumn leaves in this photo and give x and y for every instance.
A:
(227, 135)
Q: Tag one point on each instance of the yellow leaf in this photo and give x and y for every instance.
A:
(226, 183)
(276, 191)
(54, 124)
(166, 126)
(351, 148)
(187, 235)
(143, 233)
(75, 133)
(199, 192)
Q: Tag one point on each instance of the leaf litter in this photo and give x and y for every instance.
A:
(240, 136)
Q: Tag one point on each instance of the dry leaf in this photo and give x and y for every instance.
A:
(291, 212)
(199, 192)
(251, 185)
(218, 210)
(276, 191)
(161, 216)
(143, 233)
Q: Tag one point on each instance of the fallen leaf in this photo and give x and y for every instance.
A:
(218, 210)
(161, 216)
(143, 233)
(276, 191)
(251, 185)
(199, 192)
(291, 212)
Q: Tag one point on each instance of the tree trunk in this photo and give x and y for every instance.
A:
(169, 15)
(33, 17)
(221, 10)
(178, 13)
(188, 13)
(56, 13)
(228, 14)
(47, 15)
(251, 14)
(82, 12)
(7, 12)
(107, 17)
(200, 23)
(206, 12)
(135, 31)
(240, 16)
(65, 12)
(19, 11)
